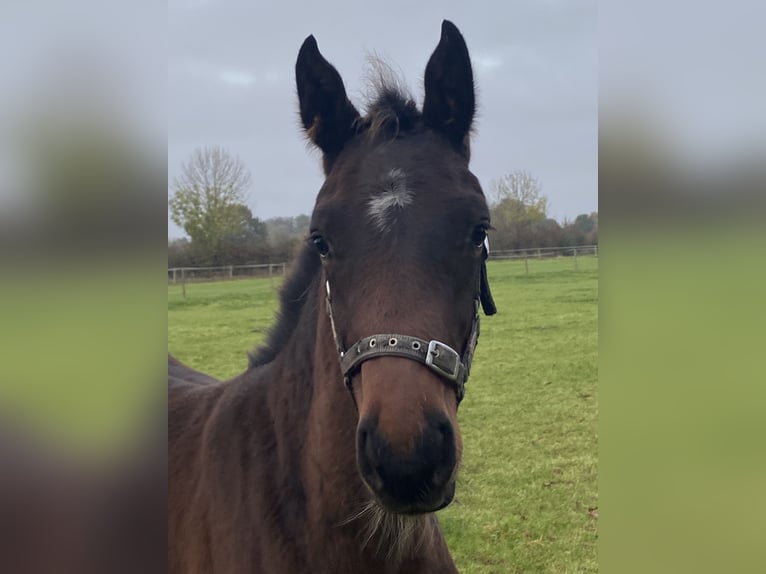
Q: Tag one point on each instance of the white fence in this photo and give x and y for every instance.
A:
(544, 252)
(186, 274)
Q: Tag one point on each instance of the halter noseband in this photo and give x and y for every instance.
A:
(437, 356)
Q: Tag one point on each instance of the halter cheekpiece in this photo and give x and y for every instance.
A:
(437, 356)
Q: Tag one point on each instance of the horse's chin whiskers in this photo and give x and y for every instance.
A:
(367, 508)
(390, 535)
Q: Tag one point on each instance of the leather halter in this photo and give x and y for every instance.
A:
(435, 355)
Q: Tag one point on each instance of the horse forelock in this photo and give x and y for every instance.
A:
(390, 109)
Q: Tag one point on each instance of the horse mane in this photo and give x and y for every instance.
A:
(390, 108)
(292, 298)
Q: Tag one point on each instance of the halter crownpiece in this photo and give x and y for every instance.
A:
(437, 356)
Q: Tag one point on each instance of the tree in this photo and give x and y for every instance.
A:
(518, 210)
(582, 231)
(208, 199)
(248, 243)
(584, 223)
(180, 253)
(546, 233)
(285, 235)
(519, 195)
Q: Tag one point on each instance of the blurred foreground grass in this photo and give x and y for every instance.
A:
(682, 376)
(83, 353)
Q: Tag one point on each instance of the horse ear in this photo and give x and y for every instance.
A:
(450, 103)
(327, 115)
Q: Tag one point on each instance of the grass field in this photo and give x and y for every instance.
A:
(527, 493)
(81, 353)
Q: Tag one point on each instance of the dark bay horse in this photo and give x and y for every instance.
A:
(286, 469)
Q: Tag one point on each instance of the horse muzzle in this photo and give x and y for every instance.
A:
(415, 482)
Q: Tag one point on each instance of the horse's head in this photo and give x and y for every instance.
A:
(400, 225)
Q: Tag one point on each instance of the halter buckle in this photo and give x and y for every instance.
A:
(443, 359)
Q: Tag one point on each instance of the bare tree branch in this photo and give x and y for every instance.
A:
(207, 193)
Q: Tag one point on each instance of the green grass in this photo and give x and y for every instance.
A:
(527, 494)
(82, 348)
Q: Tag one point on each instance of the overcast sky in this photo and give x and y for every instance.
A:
(231, 83)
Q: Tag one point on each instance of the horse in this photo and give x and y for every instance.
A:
(334, 449)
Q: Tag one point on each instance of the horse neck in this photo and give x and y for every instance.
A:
(307, 396)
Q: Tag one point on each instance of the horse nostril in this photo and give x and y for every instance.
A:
(442, 435)
(446, 434)
(363, 440)
(368, 452)
(366, 446)
(442, 439)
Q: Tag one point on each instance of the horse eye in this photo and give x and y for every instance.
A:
(322, 247)
(478, 235)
